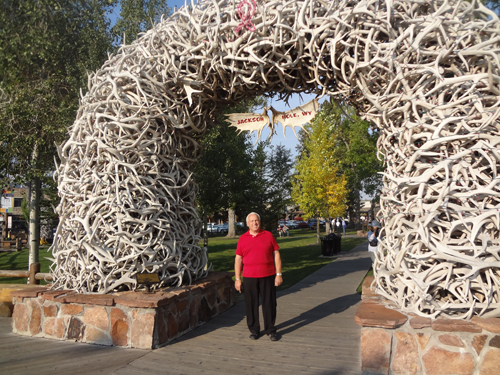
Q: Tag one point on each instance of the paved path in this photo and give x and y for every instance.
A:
(315, 321)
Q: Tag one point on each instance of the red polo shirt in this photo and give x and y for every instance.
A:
(257, 253)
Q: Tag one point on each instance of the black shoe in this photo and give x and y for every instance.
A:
(253, 336)
(273, 336)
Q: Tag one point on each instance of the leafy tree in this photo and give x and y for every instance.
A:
(270, 186)
(138, 16)
(280, 167)
(318, 186)
(224, 171)
(355, 151)
(46, 48)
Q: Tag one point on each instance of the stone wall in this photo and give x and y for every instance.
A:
(127, 319)
(6, 305)
(395, 343)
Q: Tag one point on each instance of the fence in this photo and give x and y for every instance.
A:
(34, 275)
(17, 244)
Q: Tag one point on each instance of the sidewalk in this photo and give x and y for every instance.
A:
(315, 322)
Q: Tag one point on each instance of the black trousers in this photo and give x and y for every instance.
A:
(263, 287)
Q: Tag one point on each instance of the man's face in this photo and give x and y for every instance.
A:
(253, 223)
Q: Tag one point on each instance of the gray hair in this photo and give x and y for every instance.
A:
(252, 213)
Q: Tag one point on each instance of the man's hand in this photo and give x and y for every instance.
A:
(237, 285)
(278, 280)
(238, 262)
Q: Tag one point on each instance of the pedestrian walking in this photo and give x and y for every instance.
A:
(337, 224)
(344, 225)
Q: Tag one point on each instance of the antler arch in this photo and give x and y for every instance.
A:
(425, 72)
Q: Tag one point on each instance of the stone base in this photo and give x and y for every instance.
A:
(396, 343)
(127, 319)
(6, 305)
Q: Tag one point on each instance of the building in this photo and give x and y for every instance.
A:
(11, 215)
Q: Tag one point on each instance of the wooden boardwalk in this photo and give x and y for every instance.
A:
(315, 321)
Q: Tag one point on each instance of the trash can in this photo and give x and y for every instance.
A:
(327, 246)
(336, 242)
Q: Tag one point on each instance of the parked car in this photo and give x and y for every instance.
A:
(212, 228)
(313, 222)
(223, 228)
(303, 224)
(291, 224)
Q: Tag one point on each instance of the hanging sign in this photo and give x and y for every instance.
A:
(298, 116)
(295, 117)
(249, 121)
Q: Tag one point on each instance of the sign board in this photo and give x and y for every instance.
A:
(293, 118)
(7, 199)
(299, 115)
(147, 278)
(9, 222)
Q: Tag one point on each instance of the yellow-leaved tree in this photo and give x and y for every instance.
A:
(317, 185)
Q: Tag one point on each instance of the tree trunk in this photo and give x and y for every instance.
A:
(352, 218)
(231, 214)
(358, 210)
(327, 226)
(317, 230)
(34, 224)
(205, 231)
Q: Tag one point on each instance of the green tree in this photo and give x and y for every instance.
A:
(270, 190)
(355, 151)
(46, 49)
(318, 186)
(280, 169)
(224, 170)
(138, 16)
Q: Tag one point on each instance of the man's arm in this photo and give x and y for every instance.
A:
(277, 264)
(238, 261)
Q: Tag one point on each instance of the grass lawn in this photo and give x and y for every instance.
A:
(19, 261)
(299, 253)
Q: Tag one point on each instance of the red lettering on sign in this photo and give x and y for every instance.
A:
(251, 119)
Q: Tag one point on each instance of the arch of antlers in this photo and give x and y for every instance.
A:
(424, 72)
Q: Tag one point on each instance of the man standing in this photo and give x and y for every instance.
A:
(373, 239)
(257, 251)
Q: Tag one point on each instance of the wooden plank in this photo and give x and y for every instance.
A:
(43, 276)
(14, 273)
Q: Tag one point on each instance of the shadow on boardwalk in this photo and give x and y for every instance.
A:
(334, 306)
(315, 320)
